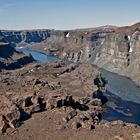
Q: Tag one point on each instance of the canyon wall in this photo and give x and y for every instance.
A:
(115, 49)
(19, 37)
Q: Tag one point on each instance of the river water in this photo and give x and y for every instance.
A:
(122, 93)
(38, 56)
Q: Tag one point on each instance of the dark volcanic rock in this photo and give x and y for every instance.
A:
(71, 101)
(71, 115)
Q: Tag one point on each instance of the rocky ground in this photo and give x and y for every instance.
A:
(46, 101)
(53, 101)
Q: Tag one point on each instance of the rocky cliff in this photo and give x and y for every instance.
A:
(116, 49)
(24, 37)
(10, 58)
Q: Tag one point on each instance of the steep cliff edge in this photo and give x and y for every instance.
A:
(10, 58)
(116, 49)
(24, 37)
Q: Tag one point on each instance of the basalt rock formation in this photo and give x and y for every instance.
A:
(16, 37)
(116, 49)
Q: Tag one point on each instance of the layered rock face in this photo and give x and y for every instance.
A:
(134, 67)
(117, 50)
(16, 37)
(112, 48)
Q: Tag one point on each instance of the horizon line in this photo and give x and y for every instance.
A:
(94, 27)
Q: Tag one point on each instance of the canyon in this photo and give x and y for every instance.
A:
(116, 49)
(69, 98)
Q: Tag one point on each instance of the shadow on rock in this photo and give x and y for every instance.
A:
(101, 83)
(100, 95)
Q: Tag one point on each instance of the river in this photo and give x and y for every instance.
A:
(122, 93)
(38, 56)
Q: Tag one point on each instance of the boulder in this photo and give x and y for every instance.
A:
(53, 102)
(24, 102)
(84, 100)
(69, 101)
(96, 119)
(90, 116)
(71, 115)
(14, 123)
(91, 127)
(96, 102)
(35, 108)
(26, 113)
(38, 100)
(13, 117)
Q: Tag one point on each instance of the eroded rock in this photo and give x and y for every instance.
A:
(70, 115)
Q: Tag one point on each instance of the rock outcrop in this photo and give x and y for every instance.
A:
(50, 91)
(42, 99)
(10, 58)
(116, 50)
(16, 37)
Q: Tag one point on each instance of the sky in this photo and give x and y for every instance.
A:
(67, 14)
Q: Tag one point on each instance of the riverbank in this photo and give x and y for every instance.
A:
(38, 56)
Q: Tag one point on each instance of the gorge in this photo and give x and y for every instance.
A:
(110, 50)
(116, 49)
